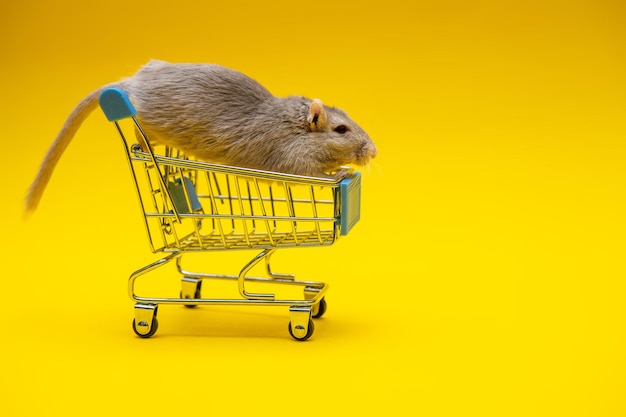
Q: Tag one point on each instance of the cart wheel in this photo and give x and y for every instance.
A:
(308, 334)
(153, 328)
(197, 292)
(319, 309)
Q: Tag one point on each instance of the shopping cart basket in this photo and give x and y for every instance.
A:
(191, 206)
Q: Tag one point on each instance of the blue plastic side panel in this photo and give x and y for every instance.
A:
(350, 190)
(116, 105)
(177, 191)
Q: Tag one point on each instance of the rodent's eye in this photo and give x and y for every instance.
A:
(341, 129)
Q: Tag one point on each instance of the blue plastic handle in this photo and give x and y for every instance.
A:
(350, 190)
(116, 105)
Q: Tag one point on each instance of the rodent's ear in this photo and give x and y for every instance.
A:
(317, 115)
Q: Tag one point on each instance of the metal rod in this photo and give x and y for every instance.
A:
(242, 278)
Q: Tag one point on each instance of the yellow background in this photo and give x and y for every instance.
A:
(485, 278)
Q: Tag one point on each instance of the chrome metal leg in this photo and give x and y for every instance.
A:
(242, 278)
(272, 274)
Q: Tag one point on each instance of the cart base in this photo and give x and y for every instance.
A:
(302, 311)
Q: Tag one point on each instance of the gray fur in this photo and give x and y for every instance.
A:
(220, 115)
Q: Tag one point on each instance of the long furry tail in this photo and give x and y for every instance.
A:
(63, 139)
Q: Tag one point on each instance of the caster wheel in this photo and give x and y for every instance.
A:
(320, 309)
(298, 336)
(196, 294)
(153, 328)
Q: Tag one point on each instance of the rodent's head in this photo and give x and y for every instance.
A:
(346, 141)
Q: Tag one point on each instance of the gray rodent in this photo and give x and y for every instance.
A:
(219, 115)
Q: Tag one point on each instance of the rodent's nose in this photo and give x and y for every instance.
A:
(373, 151)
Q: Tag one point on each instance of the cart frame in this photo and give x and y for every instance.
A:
(192, 206)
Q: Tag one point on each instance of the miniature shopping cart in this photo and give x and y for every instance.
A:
(191, 206)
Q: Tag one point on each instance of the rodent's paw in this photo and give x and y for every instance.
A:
(340, 175)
